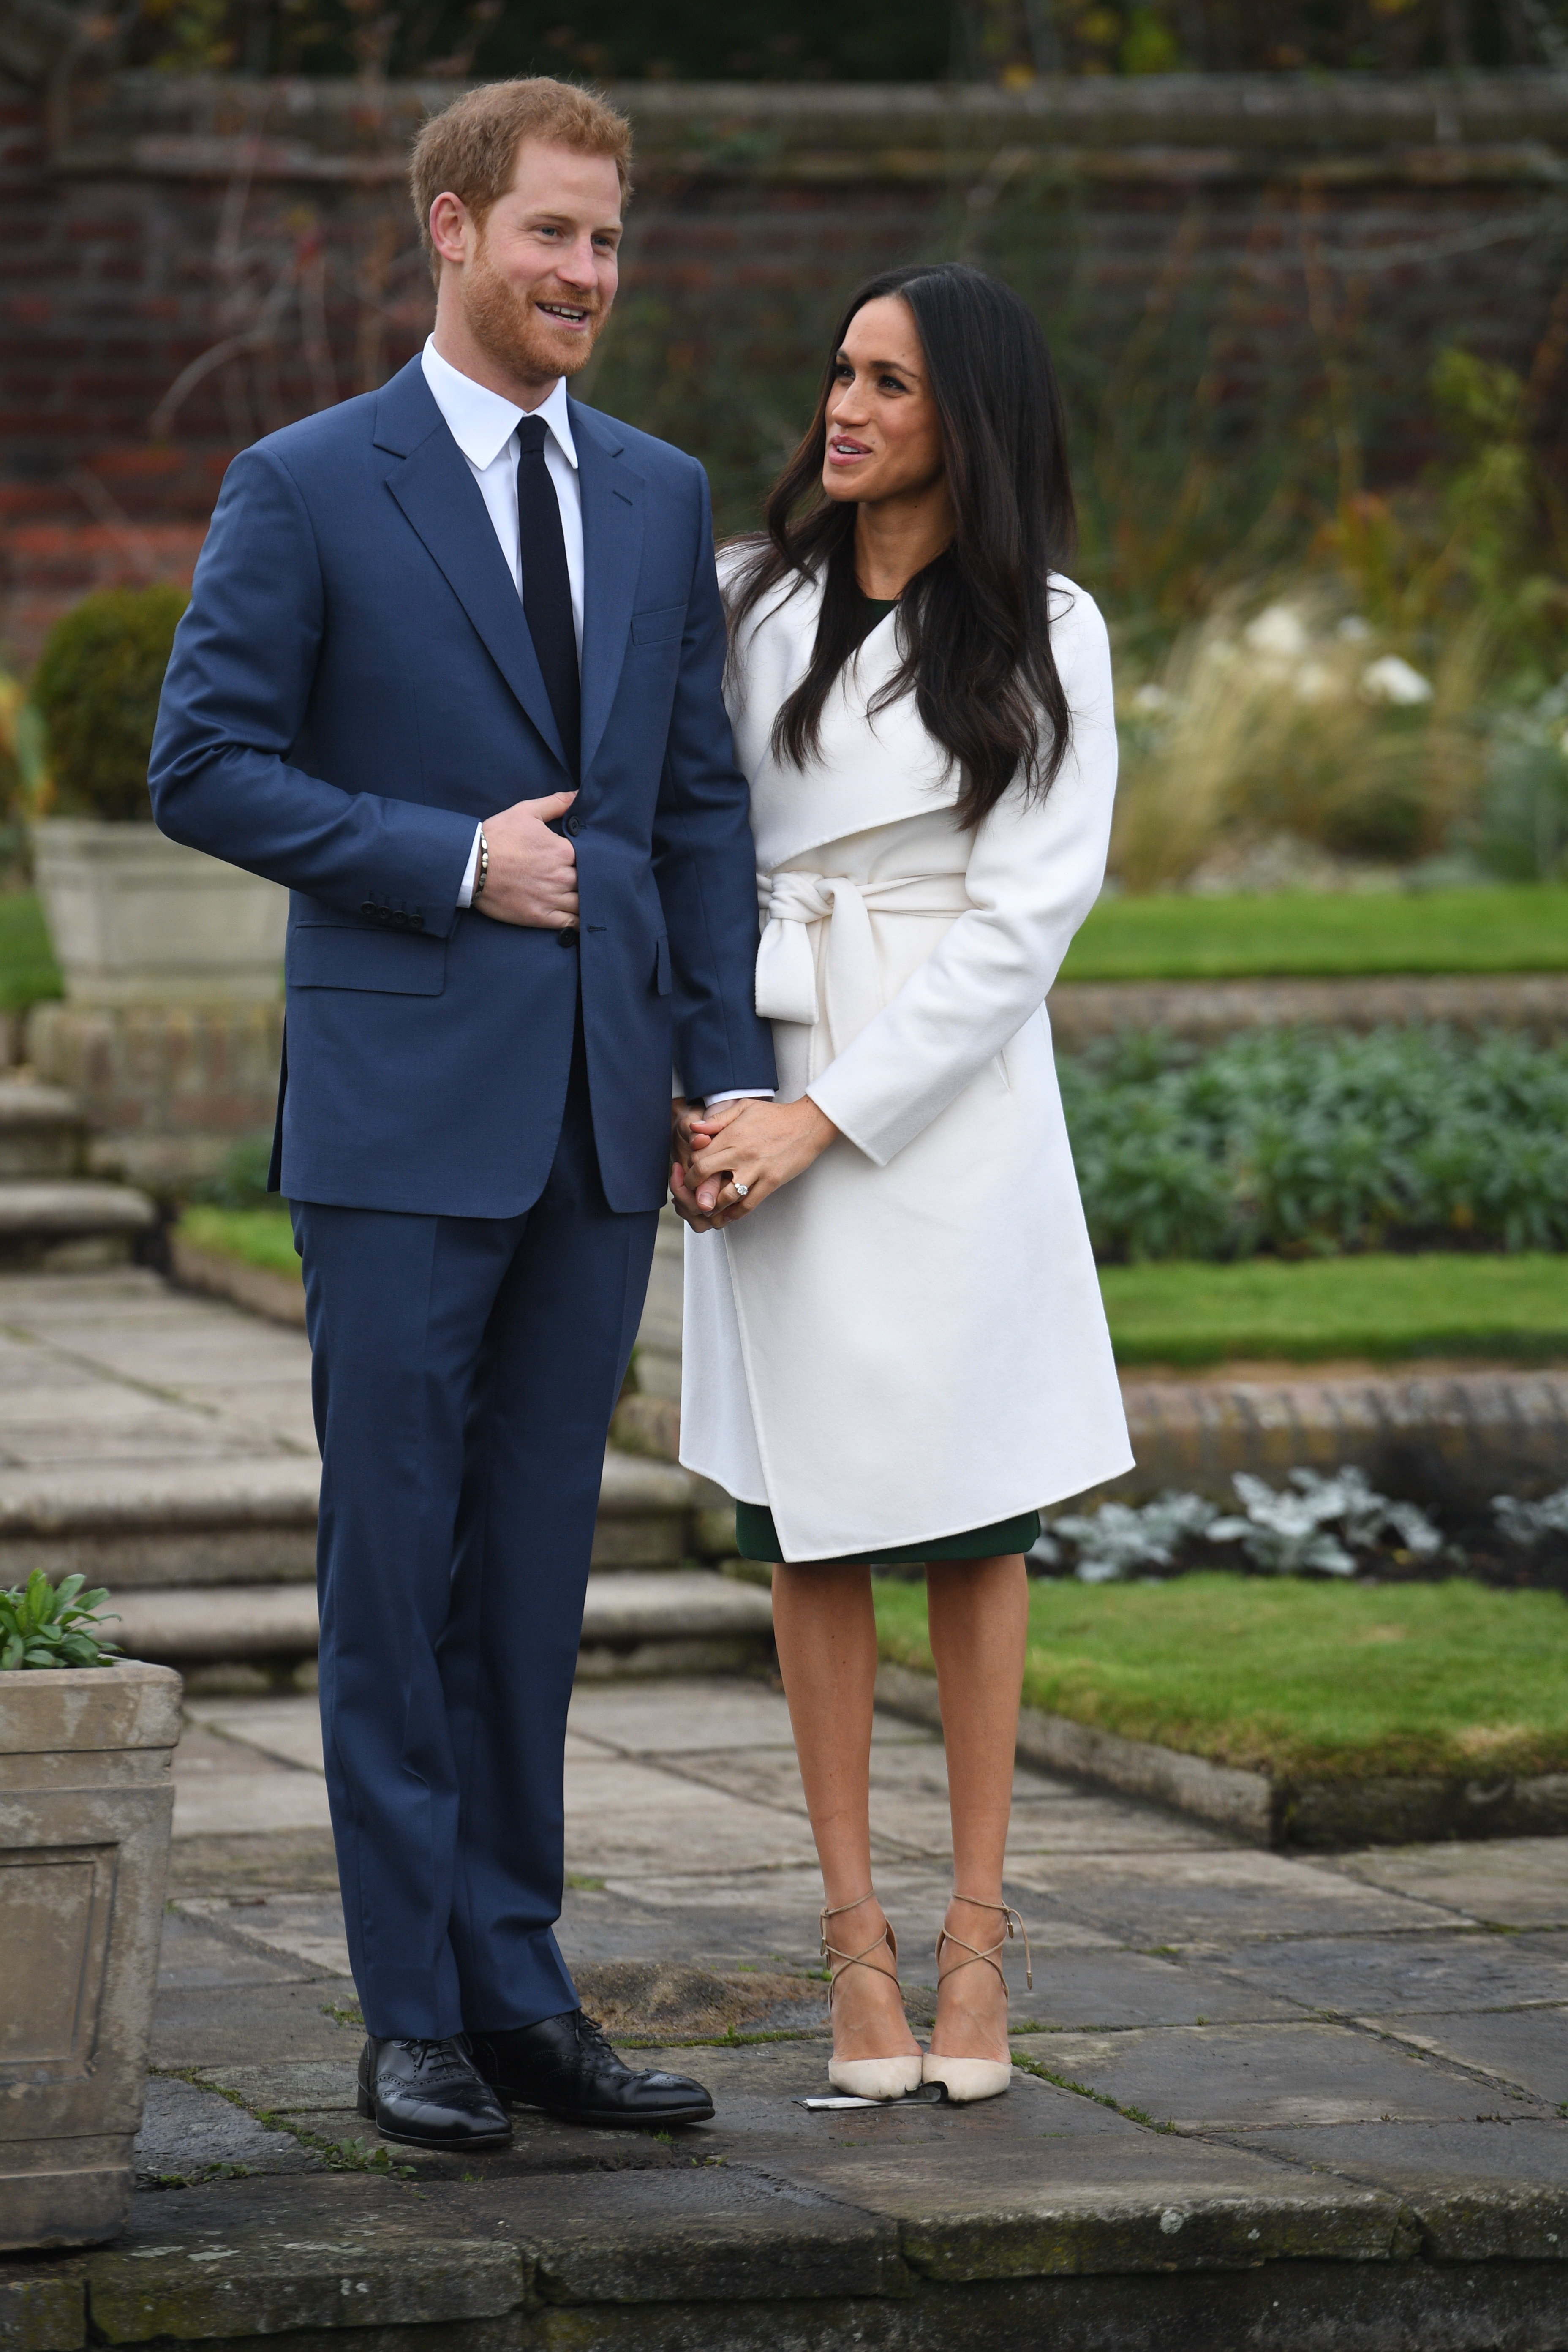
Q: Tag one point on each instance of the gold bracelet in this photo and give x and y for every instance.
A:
(482, 873)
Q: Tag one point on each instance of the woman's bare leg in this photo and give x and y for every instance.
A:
(978, 1612)
(826, 1637)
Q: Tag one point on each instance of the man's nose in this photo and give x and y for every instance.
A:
(577, 265)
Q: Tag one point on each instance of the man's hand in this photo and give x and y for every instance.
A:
(533, 872)
(681, 1179)
(759, 1144)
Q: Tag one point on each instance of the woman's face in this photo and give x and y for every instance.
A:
(883, 439)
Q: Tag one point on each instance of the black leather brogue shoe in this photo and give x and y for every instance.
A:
(566, 2065)
(430, 2094)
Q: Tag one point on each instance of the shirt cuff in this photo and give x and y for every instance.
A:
(466, 895)
(743, 1094)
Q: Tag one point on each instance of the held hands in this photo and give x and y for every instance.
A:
(533, 872)
(761, 1145)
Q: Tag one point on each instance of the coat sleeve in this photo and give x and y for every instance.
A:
(236, 701)
(705, 861)
(1034, 873)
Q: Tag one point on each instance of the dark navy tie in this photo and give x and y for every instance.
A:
(547, 585)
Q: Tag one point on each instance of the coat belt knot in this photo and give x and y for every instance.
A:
(793, 903)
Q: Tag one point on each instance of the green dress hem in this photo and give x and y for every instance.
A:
(757, 1538)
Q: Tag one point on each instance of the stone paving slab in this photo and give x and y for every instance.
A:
(1237, 2025)
(1409, 1975)
(1180, 1897)
(1504, 1882)
(1232, 2078)
(1528, 2047)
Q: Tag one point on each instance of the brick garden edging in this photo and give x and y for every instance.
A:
(1253, 1807)
(1458, 1438)
(1203, 1011)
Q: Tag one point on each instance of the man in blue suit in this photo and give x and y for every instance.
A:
(451, 673)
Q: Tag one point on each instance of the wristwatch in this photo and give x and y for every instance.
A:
(482, 871)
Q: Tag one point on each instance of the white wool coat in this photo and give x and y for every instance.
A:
(909, 1341)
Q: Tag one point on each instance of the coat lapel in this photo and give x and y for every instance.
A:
(441, 499)
(611, 550)
(870, 771)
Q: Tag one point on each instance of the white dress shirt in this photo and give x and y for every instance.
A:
(484, 426)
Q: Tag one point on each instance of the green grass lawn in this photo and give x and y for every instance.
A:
(263, 1237)
(1305, 1680)
(27, 967)
(1185, 1312)
(1439, 1303)
(1521, 929)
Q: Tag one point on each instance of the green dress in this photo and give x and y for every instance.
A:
(755, 1540)
(754, 1534)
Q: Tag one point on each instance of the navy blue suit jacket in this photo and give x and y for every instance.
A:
(353, 687)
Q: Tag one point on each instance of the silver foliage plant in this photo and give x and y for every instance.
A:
(1528, 1524)
(1322, 1524)
(1122, 1540)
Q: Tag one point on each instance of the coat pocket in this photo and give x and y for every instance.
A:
(389, 964)
(663, 621)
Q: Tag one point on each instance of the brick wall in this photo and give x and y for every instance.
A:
(186, 264)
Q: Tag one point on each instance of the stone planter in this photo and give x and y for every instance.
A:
(85, 1804)
(135, 918)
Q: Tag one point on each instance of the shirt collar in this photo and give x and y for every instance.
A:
(481, 422)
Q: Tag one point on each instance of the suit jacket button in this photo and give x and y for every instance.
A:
(574, 824)
(567, 938)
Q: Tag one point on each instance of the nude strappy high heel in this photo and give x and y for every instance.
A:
(867, 2078)
(976, 2078)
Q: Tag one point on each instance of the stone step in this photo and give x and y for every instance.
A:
(690, 1620)
(42, 1132)
(137, 1525)
(70, 1220)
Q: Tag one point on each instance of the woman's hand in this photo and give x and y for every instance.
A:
(761, 1145)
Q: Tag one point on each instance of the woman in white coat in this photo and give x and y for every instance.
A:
(905, 1354)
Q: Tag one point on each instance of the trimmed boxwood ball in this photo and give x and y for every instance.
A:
(96, 688)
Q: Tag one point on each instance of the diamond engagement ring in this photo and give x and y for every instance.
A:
(741, 1189)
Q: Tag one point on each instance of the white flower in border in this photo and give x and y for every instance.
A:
(1150, 698)
(1279, 630)
(1391, 679)
(1354, 629)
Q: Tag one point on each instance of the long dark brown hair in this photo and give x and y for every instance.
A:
(974, 626)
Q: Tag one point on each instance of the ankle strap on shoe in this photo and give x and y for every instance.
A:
(862, 1958)
(1014, 1926)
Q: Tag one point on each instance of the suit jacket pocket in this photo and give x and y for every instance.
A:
(663, 621)
(391, 963)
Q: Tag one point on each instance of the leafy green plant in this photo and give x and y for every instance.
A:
(45, 1624)
(96, 687)
(1306, 1142)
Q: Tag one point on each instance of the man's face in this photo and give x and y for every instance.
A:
(539, 276)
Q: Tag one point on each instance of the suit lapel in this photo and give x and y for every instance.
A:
(441, 499)
(611, 550)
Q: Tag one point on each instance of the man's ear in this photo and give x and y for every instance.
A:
(450, 222)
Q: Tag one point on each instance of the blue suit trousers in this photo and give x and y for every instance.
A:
(465, 1370)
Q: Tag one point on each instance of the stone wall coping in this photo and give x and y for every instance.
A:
(47, 1709)
(1435, 126)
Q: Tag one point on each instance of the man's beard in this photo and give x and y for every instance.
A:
(507, 328)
